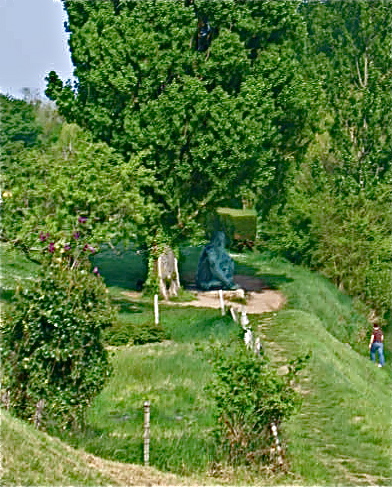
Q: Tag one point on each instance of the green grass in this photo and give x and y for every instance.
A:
(169, 376)
(343, 431)
(172, 376)
(340, 436)
(312, 293)
(31, 457)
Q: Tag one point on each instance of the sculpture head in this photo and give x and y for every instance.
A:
(218, 240)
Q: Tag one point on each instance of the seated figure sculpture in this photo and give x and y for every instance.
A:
(216, 267)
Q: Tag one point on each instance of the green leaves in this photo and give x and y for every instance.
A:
(208, 123)
(52, 346)
(48, 192)
(249, 395)
(18, 124)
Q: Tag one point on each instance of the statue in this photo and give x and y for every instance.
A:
(216, 267)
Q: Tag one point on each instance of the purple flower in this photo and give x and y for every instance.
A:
(95, 271)
(82, 219)
(51, 247)
(43, 236)
(89, 248)
(67, 247)
(76, 235)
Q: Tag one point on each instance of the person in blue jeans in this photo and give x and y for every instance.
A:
(376, 345)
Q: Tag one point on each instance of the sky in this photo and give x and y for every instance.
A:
(32, 43)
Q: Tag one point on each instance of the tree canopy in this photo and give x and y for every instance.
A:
(211, 93)
(75, 193)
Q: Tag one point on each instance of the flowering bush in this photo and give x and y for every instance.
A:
(52, 345)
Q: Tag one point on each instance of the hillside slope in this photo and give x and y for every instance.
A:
(31, 457)
(342, 435)
(343, 432)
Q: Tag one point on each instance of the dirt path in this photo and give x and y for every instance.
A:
(257, 302)
(260, 299)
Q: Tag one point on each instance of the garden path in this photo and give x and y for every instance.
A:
(259, 298)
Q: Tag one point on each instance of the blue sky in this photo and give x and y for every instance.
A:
(32, 43)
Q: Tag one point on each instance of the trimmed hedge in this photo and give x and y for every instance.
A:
(240, 226)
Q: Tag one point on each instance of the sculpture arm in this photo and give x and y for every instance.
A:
(216, 270)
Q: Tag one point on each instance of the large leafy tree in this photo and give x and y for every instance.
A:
(70, 198)
(19, 125)
(336, 218)
(351, 43)
(211, 93)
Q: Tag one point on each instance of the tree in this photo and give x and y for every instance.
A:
(19, 125)
(334, 218)
(211, 93)
(351, 41)
(75, 191)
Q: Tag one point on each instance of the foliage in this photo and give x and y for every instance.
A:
(75, 190)
(19, 126)
(350, 42)
(211, 122)
(347, 238)
(125, 332)
(249, 395)
(334, 218)
(52, 346)
(240, 226)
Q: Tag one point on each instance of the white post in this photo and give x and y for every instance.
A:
(156, 309)
(278, 448)
(248, 338)
(146, 449)
(234, 314)
(244, 319)
(222, 303)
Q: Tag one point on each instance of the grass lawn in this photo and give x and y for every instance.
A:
(340, 436)
(172, 376)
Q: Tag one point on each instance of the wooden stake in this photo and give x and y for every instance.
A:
(222, 302)
(156, 309)
(146, 449)
(278, 448)
(38, 413)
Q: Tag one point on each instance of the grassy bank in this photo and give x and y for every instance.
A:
(31, 457)
(341, 435)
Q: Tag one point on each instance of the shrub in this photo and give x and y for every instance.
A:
(126, 333)
(52, 346)
(240, 227)
(249, 395)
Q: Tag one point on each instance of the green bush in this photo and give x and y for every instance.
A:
(126, 333)
(249, 395)
(52, 345)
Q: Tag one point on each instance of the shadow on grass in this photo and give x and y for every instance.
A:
(122, 268)
(127, 269)
(7, 294)
(125, 305)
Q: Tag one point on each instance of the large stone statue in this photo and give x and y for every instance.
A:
(216, 267)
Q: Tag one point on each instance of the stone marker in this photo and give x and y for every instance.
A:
(169, 280)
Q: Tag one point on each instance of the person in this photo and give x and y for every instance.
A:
(216, 267)
(376, 345)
